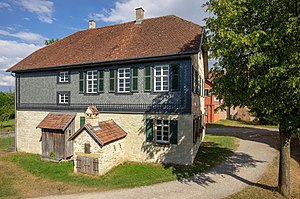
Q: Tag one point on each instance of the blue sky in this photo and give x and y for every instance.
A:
(26, 24)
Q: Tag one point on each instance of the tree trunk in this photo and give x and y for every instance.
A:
(284, 180)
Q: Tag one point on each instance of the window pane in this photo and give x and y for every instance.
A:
(158, 121)
(166, 122)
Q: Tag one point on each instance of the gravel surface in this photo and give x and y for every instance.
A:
(255, 152)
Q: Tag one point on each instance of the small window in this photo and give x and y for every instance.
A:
(91, 82)
(161, 78)
(63, 77)
(124, 80)
(87, 148)
(207, 92)
(64, 98)
(162, 131)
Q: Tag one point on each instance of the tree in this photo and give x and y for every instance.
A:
(50, 41)
(256, 44)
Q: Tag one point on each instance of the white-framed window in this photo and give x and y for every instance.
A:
(63, 77)
(162, 131)
(124, 80)
(63, 98)
(91, 82)
(161, 78)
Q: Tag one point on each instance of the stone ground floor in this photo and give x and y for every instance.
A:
(137, 146)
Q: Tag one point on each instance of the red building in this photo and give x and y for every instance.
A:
(211, 103)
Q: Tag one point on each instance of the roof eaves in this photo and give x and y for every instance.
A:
(94, 136)
(108, 62)
(64, 128)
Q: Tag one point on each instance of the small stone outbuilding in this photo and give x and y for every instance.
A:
(98, 148)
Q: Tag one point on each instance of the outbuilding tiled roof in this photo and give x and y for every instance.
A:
(106, 132)
(168, 35)
(56, 121)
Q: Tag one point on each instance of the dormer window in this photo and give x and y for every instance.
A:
(63, 77)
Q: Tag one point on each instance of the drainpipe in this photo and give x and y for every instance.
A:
(15, 133)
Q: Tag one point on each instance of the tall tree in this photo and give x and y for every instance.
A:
(50, 41)
(256, 44)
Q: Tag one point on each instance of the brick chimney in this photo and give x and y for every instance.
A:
(92, 24)
(92, 116)
(139, 15)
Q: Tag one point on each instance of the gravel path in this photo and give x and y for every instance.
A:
(243, 168)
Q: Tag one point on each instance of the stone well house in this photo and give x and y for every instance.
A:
(146, 75)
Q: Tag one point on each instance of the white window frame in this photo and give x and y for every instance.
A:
(63, 77)
(162, 125)
(161, 77)
(63, 98)
(122, 88)
(93, 81)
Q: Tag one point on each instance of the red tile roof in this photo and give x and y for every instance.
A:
(56, 121)
(166, 35)
(108, 131)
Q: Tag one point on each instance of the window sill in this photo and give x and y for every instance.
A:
(64, 82)
(124, 93)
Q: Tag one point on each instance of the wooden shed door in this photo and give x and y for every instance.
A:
(87, 165)
(53, 144)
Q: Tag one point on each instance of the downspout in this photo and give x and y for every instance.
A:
(15, 131)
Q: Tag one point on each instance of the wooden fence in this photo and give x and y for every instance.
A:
(87, 165)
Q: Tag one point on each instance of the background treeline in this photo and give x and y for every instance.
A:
(7, 106)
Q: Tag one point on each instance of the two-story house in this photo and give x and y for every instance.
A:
(146, 75)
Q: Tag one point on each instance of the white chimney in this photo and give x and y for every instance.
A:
(92, 24)
(92, 116)
(139, 15)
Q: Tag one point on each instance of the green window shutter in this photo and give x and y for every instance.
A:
(81, 82)
(101, 81)
(82, 121)
(175, 77)
(149, 130)
(147, 74)
(112, 81)
(199, 87)
(174, 131)
(134, 80)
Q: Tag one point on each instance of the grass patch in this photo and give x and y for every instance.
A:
(239, 123)
(5, 143)
(214, 150)
(7, 126)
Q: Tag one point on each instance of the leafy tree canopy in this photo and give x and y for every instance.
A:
(50, 41)
(256, 43)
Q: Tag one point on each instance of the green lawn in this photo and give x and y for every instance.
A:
(239, 123)
(7, 126)
(213, 150)
(5, 143)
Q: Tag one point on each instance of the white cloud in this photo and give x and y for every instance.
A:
(4, 5)
(43, 8)
(6, 79)
(11, 53)
(26, 36)
(124, 11)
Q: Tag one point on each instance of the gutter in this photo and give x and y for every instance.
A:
(201, 41)
(111, 62)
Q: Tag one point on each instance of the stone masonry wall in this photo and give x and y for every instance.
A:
(135, 146)
(109, 155)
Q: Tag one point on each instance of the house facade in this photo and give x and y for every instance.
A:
(146, 75)
(212, 115)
